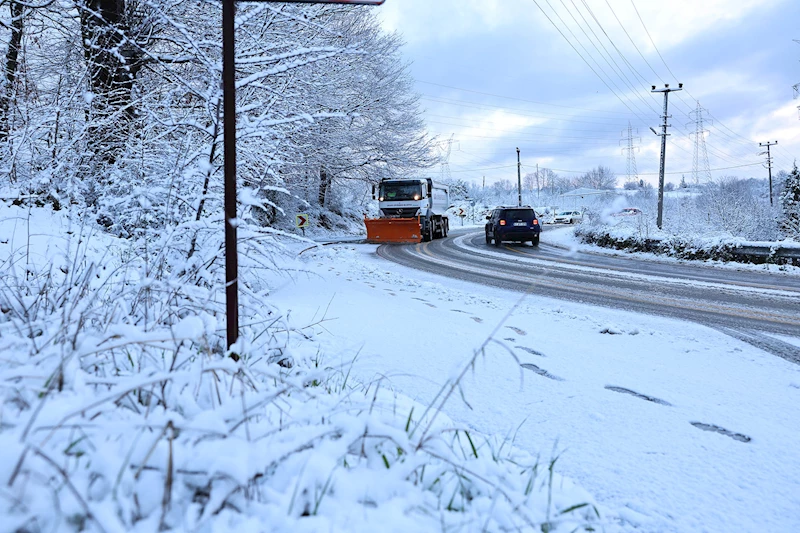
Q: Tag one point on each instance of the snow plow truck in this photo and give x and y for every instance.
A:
(410, 210)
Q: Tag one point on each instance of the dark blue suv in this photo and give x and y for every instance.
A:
(517, 224)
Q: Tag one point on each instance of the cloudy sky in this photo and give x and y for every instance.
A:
(562, 79)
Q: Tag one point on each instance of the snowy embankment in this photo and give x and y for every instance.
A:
(626, 235)
(672, 426)
(119, 410)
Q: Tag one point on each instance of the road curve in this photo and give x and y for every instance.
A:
(748, 305)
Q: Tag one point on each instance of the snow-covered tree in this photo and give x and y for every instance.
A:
(790, 205)
(599, 177)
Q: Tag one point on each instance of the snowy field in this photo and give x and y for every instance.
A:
(671, 425)
(662, 425)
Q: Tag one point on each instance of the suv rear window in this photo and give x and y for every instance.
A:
(521, 214)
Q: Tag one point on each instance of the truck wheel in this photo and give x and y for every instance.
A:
(428, 235)
(445, 228)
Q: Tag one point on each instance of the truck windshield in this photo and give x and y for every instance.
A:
(403, 190)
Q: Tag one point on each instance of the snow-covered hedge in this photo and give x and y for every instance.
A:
(695, 247)
(120, 411)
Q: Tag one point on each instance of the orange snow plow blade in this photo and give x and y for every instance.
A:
(380, 230)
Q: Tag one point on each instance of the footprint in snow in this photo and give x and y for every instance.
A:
(638, 395)
(476, 319)
(530, 351)
(430, 305)
(517, 330)
(458, 311)
(509, 339)
(540, 371)
(721, 431)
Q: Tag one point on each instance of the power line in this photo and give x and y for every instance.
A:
(632, 42)
(584, 59)
(517, 99)
(615, 68)
(656, 173)
(652, 41)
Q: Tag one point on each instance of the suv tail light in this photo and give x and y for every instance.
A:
(502, 222)
(535, 221)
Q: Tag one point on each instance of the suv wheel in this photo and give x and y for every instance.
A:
(535, 241)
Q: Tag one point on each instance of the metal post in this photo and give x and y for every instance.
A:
(519, 179)
(662, 164)
(229, 139)
(769, 165)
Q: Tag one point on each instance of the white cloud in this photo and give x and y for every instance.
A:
(669, 23)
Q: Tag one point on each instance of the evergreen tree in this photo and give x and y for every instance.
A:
(790, 203)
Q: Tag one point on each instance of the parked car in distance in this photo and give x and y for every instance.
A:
(518, 224)
(568, 217)
(628, 212)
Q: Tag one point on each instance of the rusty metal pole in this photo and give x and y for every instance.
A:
(229, 139)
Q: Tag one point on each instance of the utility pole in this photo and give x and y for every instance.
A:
(769, 165)
(519, 179)
(666, 90)
(537, 183)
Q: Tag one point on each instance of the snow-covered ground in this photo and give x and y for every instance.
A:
(666, 425)
(671, 425)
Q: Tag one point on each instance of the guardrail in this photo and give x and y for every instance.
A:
(768, 251)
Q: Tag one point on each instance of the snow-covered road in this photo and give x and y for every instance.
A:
(673, 426)
(748, 303)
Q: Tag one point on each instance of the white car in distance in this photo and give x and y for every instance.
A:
(568, 217)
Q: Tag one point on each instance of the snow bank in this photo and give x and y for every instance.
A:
(696, 247)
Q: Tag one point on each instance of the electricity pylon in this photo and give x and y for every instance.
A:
(447, 146)
(633, 172)
(700, 164)
(796, 86)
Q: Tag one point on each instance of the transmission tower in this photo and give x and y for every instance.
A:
(633, 172)
(700, 166)
(447, 147)
(796, 86)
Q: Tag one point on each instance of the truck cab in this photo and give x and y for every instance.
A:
(419, 200)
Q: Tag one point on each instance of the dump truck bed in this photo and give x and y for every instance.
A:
(393, 230)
